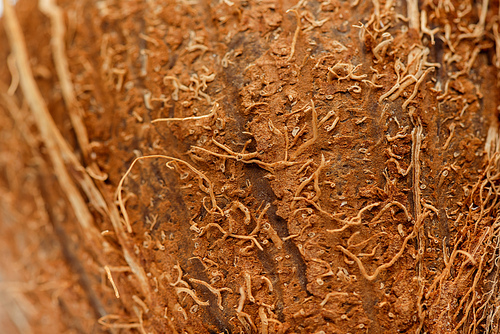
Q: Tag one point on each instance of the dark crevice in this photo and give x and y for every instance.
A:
(46, 183)
(263, 192)
(195, 269)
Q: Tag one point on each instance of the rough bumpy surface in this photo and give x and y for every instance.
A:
(250, 166)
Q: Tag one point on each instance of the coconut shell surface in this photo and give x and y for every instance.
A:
(250, 167)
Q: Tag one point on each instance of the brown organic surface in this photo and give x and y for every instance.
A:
(241, 166)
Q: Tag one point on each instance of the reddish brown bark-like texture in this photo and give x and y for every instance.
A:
(250, 167)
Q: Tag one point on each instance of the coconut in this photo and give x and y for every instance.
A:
(250, 166)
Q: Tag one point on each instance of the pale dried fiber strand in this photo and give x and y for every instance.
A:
(60, 153)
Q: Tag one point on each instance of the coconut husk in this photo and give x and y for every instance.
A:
(249, 167)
